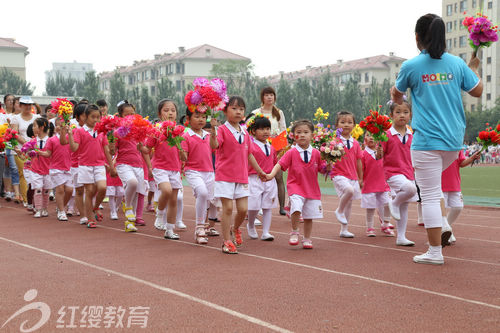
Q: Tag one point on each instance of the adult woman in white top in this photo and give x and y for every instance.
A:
(20, 123)
(278, 125)
(10, 173)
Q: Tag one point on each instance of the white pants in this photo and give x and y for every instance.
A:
(202, 184)
(429, 165)
(453, 200)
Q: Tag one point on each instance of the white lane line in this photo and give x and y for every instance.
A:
(156, 286)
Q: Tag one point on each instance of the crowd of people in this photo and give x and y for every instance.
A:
(232, 164)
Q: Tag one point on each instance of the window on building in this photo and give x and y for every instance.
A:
(183, 69)
(462, 41)
(178, 85)
(153, 90)
(454, 42)
(142, 76)
(397, 65)
(463, 56)
(463, 5)
(367, 77)
(488, 78)
(171, 68)
(448, 44)
(367, 91)
(449, 26)
(455, 24)
(130, 79)
(177, 68)
(449, 10)
(490, 4)
(161, 71)
(473, 107)
(488, 60)
(474, 3)
(488, 97)
(146, 75)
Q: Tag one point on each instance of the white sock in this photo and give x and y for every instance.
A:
(436, 250)
(345, 199)
(343, 228)
(266, 220)
(445, 226)
(453, 214)
(112, 204)
(180, 206)
(370, 212)
(252, 214)
(401, 224)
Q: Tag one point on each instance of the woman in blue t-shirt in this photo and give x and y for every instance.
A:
(436, 79)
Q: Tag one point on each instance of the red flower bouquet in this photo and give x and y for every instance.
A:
(107, 125)
(63, 108)
(171, 133)
(207, 96)
(482, 33)
(377, 123)
(489, 137)
(133, 127)
(10, 138)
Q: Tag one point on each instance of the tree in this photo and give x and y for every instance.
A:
(285, 99)
(61, 86)
(89, 88)
(11, 83)
(117, 91)
(146, 107)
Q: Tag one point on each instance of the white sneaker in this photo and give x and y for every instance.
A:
(84, 220)
(452, 238)
(429, 258)
(394, 211)
(61, 216)
(164, 226)
(404, 242)
(113, 216)
(45, 213)
(252, 233)
(257, 223)
(51, 195)
(101, 206)
(346, 234)
(340, 217)
(170, 234)
(180, 225)
(267, 237)
(159, 223)
(38, 214)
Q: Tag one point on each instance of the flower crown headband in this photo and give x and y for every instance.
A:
(253, 118)
(390, 102)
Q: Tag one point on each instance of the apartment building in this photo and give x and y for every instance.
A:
(13, 56)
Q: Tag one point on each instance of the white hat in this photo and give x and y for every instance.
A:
(26, 100)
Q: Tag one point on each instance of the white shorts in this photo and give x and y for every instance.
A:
(375, 199)
(91, 174)
(309, 208)
(27, 175)
(230, 190)
(262, 194)
(341, 183)
(61, 177)
(151, 186)
(127, 172)
(74, 175)
(396, 182)
(197, 179)
(40, 181)
(115, 191)
(168, 176)
(453, 199)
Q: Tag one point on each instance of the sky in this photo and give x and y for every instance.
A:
(277, 35)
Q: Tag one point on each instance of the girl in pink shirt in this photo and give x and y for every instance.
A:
(348, 172)
(375, 194)
(263, 195)
(303, 163)
(199, 172)
(450, 184)
(233, 154)
(60, 164)
(398, 168)
(93, 153)
(40, 178)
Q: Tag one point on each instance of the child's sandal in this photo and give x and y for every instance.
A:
(307, 244)
(387, 231)
(294, 238)
(211, 231)
(199, 235)
(91, 224)
(130, 216)
(98, 215)
(229, 248)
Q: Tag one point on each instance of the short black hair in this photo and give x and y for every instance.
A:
(101, 103)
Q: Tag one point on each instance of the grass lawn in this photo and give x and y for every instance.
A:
(481, 181)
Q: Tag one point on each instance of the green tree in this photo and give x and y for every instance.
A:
(89, 88)
(352, 99)
(235, 73)
(285, 99)
(117, 91)
(146, 107)
(61, 86)
(11, 83)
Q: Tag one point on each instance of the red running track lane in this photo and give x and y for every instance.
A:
(358, 285)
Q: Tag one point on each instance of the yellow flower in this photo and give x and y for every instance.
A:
(357, 132)
(3, 129)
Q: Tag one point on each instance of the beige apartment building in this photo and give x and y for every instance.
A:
(181, 68)
(363, 70)
(13, 56)
(457, 43)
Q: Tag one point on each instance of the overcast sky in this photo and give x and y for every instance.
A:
(276, 35)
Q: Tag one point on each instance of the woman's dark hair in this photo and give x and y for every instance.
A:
(344, 113)
(430, 31)
(270, 90)
(48, 127)
(124, 104)
(166, 100)
(235, 100)
(91, 108)
(84, 101)
(302, 122)
(48, 108)
(74, 102)
(394, 105)
(29, 131)
(183, 120)
(7, 96)
(79, 110)
(260, 122)
(101, 103)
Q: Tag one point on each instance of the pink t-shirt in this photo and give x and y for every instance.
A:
(166, 158)
(231, 159)
(347, 166)
(450, 178)
(266, 163)
(127, 153)
(61, 155)
(397, 157)
(40, 164)
(74, 154)
(199, 152)
(90, 150)
(302, 177)
(113, 181)
(373, 174)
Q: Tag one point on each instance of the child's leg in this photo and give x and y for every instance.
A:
(405, 193)
(150, 197)
(140, 208)
(38, 199)
(79, 200)
(401, 226)
(130, 196)
(201, 204)
(266, 220)
(252, 214)
(100, 193)
(420, 220)
(295, 217)
(165, 193)
(227, 212)
(241, 211)
(45, 202)
(112, 204)
(30, 195)
(180, 205)
(370, 212)
(90, 190)
(345, 199)
(453, 214)
(344, 232)
(60, 196)
(308, 225)
(172, 210)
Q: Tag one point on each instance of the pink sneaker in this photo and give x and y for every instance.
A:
(370, 232)
(150, 208)
(387, 231)
(307, 244)
(294, 238)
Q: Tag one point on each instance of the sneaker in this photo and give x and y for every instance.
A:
(170, 234)
(180, 225)
(70, 212)
(346, 234)
(113, 216)
(9, 196)
(237, 237)
(294, 238)
(394, 211)
(130, 227)
(29, 208)
(164, 227)
(387, 231)
(445, 237)
(38, 214)
(340, 217)
(452, 239)
(420, 223)
(45, 213)
(404, 242)
(51, 196)
(84, 220)
(307, 244)
(252, 233)
(140, 221)
(429, 258)
(150, 208)
(257, 223)
(61, 216)
(101, 206)
(92, 224)
(370, 232)
(267, 237)
(159, 223)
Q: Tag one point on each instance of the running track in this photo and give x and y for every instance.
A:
(342, 285)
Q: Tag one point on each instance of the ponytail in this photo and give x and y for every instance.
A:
(430, 30)
(47, 126)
